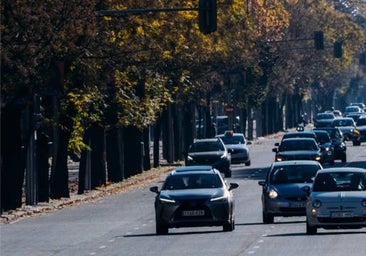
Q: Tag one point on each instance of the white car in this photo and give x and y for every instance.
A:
(337, 200)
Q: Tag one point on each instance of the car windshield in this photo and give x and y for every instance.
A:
(206, 146)
(293, 174)
(325, 116)
(343, 122)
(233, 140)
(340, 181)
(323, 137)
(361, 122)
(192, 181)
(293, 145)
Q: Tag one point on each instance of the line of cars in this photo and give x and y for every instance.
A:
(352, 122)
(298, 185)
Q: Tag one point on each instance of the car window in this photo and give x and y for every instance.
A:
(233, 140)
(340, 181)
(323, 137)
(298, 145)
(192, 181)
(361, 122)
(206, 146)
(293, 174)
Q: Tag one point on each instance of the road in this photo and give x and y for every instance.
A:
(123, 224)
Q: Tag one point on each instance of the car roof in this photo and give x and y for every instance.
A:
(194, 168)
(299, 139)
(342, 169)
(206, 140)
(295, 162)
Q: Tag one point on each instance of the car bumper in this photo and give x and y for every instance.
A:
(284, 207)
(239, 158)
(336, 220)
(222, 165)
(214, 215)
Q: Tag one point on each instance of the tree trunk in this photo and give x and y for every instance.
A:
(134, 159)
(12, 159)
(113, 148)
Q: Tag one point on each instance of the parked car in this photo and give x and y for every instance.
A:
(340, 148)
(210, 152)
(282, 193)
(347, 125)
(326, 146)
(337, 199)
(237, 143)
(324, 119)
(360, 131)
(298, 149)
(194, 196)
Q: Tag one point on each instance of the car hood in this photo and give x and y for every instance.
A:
(205, 154)
(298, 152)
(292, 189)
(184, 194)
(236, 146)
(338, 196)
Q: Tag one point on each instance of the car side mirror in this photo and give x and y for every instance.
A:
(155, 189)
(230, 150)
(277, 144)
(249, 143)
(261, 182)
(233, 186)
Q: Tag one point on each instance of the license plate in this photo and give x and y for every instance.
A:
(193, 213)
(298, 205)
(342, 214)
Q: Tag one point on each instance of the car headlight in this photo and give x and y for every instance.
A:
(189, 158)
(316, 203)
(318, 158)
(279, 158)
(166, 200)
(363, 203)
(355, 131)
(272, 194)
(219, 198)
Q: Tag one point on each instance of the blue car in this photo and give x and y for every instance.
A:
(282, 190)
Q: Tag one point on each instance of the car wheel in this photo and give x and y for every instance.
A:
(228, 226)
(356, 143)
(161, 229)
(228, 174)
(268, 218)
(247, 163)
(344, 158)
(310, 230)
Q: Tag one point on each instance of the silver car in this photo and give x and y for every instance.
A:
(337, 199)
(237, 143)
(283, 193)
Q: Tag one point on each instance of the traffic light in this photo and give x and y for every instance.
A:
(319, 40)
(207, 16)
(338, 51)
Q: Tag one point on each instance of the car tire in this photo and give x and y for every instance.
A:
(344, 158)
(161, 229)
(356, 143)
(247, 163)
(228, 226)
(228, 174)
(268, 218)
(310, 230)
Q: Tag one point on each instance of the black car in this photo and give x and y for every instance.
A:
(347, 125)
(326, 146)
(210, 152)
(282, 193)
(340, 148)
(324, 119)
(299, 134)
(194, 196)
(298, 149)
(360, 131)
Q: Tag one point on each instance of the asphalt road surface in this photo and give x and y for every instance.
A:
(124, 224)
